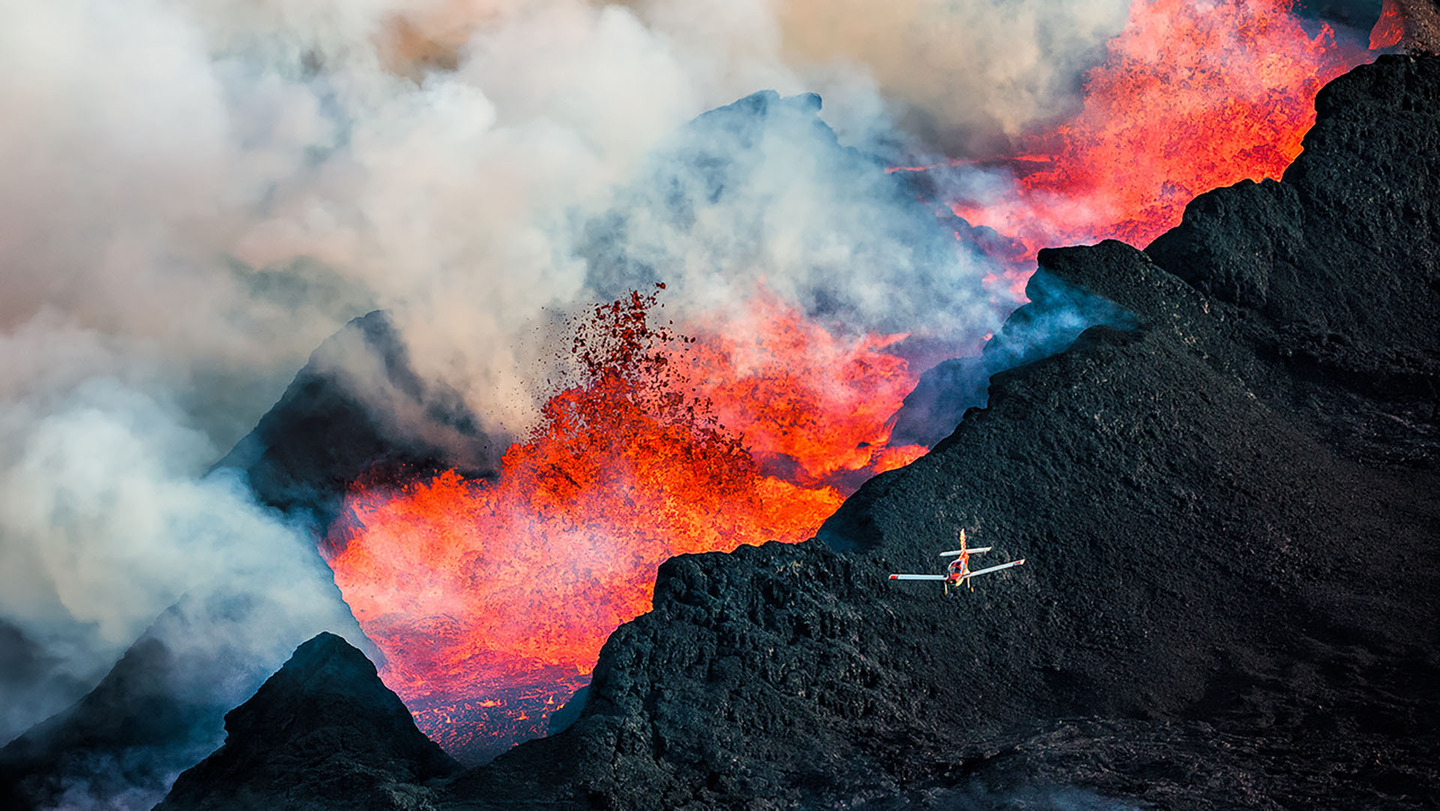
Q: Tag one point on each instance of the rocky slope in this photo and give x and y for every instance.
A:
(322, 732)
(124, 739)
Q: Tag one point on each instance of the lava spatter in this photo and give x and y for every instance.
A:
(491, 599)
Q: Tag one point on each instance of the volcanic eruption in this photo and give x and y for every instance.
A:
(490, 599)
(610, 332)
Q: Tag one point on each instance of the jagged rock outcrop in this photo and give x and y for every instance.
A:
(1230, 508)
(322, 733)
(357, 408)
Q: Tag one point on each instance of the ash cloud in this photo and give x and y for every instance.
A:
(760, 194)
(217, 186)
(106, 523)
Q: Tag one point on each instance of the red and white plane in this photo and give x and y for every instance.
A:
(959, 569)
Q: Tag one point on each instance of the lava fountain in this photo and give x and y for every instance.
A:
(1192, 96)
(491, 599)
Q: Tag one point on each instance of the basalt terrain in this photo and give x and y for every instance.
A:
(1227, 495)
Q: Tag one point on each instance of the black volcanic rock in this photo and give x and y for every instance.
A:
(357, 408)
(322, 733)
(1336, 270)
(1231, 511)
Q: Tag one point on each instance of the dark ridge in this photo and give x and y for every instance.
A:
(157, 711)
(78, 745)
(34, 679)
(320, 732)
(1230, 508)
(357, 409)
(1335, 272)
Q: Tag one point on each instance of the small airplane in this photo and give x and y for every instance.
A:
(959, 569)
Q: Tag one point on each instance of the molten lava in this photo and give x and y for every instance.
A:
(1390, 28)
(1192, 96)
(490, 600)
(803, 399)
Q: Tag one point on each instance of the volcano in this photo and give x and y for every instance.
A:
(1228, 504)
(1217, 455)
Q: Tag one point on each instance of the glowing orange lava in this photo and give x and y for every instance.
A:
(1389, 29)
(800, 397)
(1192, 96)
(478, 592)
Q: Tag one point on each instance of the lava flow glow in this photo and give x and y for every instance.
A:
(1192, 96)
(491, 600)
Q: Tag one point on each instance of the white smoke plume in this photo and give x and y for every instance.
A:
(198, 192)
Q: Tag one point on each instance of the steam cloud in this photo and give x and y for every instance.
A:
(198, 193)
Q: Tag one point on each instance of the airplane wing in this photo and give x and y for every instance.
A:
(991, 569)
(977, 550)
(917, 577)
